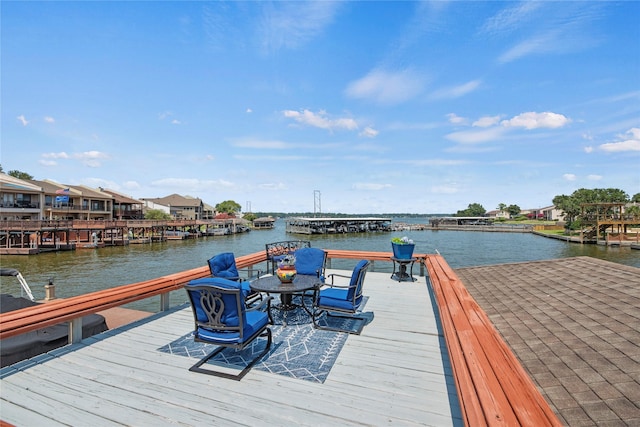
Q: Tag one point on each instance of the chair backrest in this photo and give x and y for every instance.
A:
(217, 304)
(310, 261)
(286, 247)
(357, 279)
(224, 265)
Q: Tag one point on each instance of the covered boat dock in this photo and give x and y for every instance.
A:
(337, 225)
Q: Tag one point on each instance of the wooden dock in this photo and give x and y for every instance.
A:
(396, 372)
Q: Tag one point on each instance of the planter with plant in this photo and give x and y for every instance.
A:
(402, 247)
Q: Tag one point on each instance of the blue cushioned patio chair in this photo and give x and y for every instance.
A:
(311, 262)
(341, 300)
(221, 318)
(224, 265)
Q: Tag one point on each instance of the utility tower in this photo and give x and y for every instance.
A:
(316, 203)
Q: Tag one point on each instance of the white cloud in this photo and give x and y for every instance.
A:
(48, 163)
(321, 120)
(185, 185)
(176, 122)
(588, 149)
(485, 122)
(444, 189)
(101, 182)
(60, 155)
(49, 119)
(456, 91)
(385, 87)
(22, 120)
(541, 43)
(510, 18)
(455, 119)
(261, 144)
(368, 186)
(569, 177)
(476, 136)
(131, 185)
(272, 186)
(369, 132)
(630, 142)
(558, 28)
(91, 158)
(594, 177)
(249, 110)
(292, 24)
(533, 120)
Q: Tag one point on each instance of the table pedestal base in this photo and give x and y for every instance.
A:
(401, 274)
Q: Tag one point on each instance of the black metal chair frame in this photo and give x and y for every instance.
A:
(347, 314)
(282, 248)
(212, 304)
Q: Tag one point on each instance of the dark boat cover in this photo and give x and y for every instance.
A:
(24, 346)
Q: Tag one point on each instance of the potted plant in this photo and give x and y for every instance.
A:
(402, 247)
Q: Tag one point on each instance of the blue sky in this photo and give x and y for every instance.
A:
(421, 107)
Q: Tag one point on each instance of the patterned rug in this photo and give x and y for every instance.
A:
(298, 350)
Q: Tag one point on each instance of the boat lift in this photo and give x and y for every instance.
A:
(23, 283)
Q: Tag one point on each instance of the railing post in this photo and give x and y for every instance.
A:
(50, 291)
(75, 330)
(164, 301)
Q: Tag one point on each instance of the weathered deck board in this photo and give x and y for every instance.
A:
(395, 372)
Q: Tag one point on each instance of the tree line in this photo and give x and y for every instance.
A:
(571, 205)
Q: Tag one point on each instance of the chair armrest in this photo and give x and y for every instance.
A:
(255, 273)
(333, 285)
(265, 302)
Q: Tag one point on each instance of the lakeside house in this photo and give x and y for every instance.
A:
(181, 207)
(125, 207)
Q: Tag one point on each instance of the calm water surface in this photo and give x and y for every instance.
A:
(78, 272)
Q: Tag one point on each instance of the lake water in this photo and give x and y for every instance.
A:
(78, 272)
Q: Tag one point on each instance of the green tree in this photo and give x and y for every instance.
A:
(249, 216)
(157, 215)
(474, 209)
(571, 205)
(19, 174)
(633, 211)
(229, 207)
(502, 207)
(636, 198)
(513, 210)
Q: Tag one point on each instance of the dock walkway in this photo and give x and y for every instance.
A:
(396, 372)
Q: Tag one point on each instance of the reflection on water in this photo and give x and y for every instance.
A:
(83, 271)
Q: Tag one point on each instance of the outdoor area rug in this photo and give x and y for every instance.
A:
(298, 349)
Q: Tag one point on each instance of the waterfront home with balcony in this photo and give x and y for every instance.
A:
(20, 200)
(125, 207)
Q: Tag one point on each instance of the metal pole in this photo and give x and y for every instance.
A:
(316, 203)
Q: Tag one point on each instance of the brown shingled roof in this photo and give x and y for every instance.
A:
(574, 323)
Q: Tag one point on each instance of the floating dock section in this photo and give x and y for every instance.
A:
(336, 225)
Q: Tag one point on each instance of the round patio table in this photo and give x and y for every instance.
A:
(301, 283)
